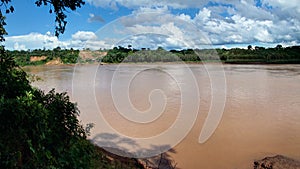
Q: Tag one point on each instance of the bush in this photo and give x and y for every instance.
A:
(38, 130)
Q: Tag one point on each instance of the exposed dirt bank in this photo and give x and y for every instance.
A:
(37, 58)
(56, 61)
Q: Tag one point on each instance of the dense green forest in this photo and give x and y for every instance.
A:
(234, 55)
(261, 55)
(66, 56)
(120, 54)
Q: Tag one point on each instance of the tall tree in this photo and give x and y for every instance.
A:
(278, 46)
(38, 130)
(249, 47)
(58, 7)
(7, 64)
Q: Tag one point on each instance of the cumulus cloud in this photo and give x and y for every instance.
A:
(19, 47)
(147, 3)
(87, 39)
(95, 18)
(247, 7)
(203, 15)
(219, 21)
(80, 40)
(84, 36)
(154, 23)
(173, 28)
(284, 5)
(33, 40)
(203, 29)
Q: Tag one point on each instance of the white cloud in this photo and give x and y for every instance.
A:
(19, 47)
(81, 39)
(87, 39)
(203, 15)
(284, 5)
(98, 44)
(177, 27)
(32, 41)
(218, 21)
(95, 18)
(264, 36)
(154, 23)
(84, 36)
(247, 7)
(147, 3)
(204, 29)
(249, 10)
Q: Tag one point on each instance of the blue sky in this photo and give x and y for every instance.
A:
(172, 24)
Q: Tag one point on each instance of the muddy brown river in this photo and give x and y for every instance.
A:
(147, 109)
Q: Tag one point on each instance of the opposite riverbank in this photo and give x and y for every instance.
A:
(256, 55)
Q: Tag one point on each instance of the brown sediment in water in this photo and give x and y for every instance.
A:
(261, 116)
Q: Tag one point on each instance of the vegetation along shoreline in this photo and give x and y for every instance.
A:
(256, 55)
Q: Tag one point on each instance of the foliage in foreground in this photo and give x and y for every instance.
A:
(41, 130)
(38, 130)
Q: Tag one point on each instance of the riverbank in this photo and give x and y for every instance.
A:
(277, 162)
(163, 161)
(58, 63)
(257, 55)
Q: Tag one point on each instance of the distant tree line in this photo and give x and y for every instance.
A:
(261, 55)
(120, 54)
(66, 56)
(255, 54)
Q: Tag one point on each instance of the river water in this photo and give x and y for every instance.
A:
(135, 103)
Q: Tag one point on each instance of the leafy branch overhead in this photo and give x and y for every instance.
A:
(57, 6)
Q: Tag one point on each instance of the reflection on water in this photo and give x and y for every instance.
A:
(261, 115)
(279, 70)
